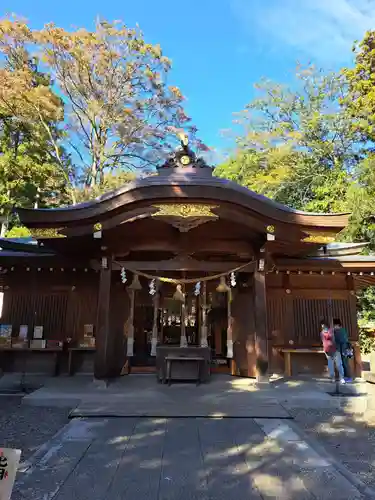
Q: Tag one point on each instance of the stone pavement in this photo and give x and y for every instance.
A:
(187, 442)
(141, 395)
(181, 459)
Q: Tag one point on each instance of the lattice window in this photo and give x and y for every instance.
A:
(308, 313)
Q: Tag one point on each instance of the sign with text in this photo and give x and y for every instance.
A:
(38, 332)
(9, 460)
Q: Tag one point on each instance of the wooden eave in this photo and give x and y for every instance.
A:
(316, 264)
(180, 189)
(33, 260)
(11, 245)
(280, 249)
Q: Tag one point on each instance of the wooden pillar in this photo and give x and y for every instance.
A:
(243, 331)
(104, 352)
(260, 305)
(218, 327)
(203, 333)
(356, 364)
(229, 326)
(154, 338)
(130, 324)
(183, 339)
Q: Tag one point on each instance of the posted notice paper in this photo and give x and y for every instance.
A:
(9, 460)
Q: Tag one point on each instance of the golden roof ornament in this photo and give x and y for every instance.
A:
(183, 138)
(184, 160)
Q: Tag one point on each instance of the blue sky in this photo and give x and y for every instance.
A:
(220, 48)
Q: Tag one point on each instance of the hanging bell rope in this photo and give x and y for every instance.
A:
(135, 285)
(176, 281)
(178, 294)
(222, 286)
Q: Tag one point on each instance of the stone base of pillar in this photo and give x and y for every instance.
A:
(183, 341)
(204, 342)
(130, 347)
(230, 349)
(262, 366)
(154, 343)
(101, 383)
(262, 380)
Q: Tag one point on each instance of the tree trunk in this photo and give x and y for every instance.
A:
(4, 227)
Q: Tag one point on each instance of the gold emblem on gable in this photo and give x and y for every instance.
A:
(47, 232)
(185, 216)
(319, 238)
(184, 210)
(185, 160)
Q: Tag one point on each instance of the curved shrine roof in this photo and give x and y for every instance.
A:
(182, 179)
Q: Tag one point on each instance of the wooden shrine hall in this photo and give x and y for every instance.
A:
(177, 264)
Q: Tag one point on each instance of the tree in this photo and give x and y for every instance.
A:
(119, 111)
(110, 182)
(297, 146)
(30, 111)
(33, 168)
(360, 99)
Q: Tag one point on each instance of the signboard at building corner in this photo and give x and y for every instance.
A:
(9, 460)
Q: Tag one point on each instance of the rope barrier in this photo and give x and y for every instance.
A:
(177, 281)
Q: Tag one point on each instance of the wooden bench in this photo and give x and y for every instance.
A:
(287, 352)
(25, 352)
(169, 360)
(73, 351)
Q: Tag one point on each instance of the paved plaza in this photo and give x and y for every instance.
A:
(290, 440)
(182, 459)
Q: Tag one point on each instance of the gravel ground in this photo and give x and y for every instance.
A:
(27, 427)
(349, 439)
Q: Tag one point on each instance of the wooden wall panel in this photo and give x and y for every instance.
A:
(309, 312)
(297, 319)
(319, 282)
(280, 320)
(278, 316)
(82, 310)
(244, 333)
(296, 316)
(62, 302)
(47, 309)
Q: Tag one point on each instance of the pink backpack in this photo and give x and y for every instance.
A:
(329, 344)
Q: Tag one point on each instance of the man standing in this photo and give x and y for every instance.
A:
(342, 343)
(332, 354)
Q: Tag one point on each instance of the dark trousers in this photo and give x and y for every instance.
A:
(345, 361)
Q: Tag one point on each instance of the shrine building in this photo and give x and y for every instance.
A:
(178, 262)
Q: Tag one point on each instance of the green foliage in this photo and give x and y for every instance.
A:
(109, 183)
(360, 99)
(117, 110)
(33, 168)
(366, 341)
(308, 149)
(18, 232)
(297, 146)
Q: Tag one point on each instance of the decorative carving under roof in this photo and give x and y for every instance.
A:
(185, 161)
(317, 237)
(47, 233)
(185, 216)
(184, 210)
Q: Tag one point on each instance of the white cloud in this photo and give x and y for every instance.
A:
(321, 29)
